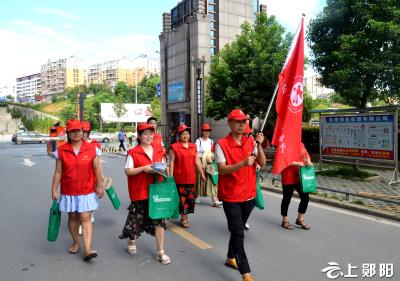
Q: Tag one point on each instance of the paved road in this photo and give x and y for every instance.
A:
(274, 254)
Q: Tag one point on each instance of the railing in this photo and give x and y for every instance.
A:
(348, 194)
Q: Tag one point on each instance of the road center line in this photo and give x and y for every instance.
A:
(188, 236)
(341, 211)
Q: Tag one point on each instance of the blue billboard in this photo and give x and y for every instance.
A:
(176, 92)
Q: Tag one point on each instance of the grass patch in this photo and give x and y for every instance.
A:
(358, 202)
(346, 173)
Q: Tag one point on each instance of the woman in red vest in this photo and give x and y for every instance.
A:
(77, 171)
(183, 165)
(290, 182)
(140, 175)
(237, 158)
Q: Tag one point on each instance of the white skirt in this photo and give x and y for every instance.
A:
(79, 203)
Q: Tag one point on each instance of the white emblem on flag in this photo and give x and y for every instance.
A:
(296, 95)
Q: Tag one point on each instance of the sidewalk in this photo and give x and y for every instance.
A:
(377, 186)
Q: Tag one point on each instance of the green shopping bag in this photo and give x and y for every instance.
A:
(113, 197)
(212, 171)
(163, 199)
(259, 197)
(54, 222)
(111, 193)
(308, 179)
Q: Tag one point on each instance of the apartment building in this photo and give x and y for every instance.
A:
(124, 70)
(28, 86)
(58, 75)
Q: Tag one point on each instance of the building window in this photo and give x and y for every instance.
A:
(212, 33)
(211, 8)
(212, 51)
(212, 42)
(212, 25)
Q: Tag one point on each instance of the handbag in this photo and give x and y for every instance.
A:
(212, 170)
(259, 197)
(54, 221)
(308, 179)
(163, 199)
(112, 194)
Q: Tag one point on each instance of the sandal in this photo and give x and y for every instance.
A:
(132, 247)
(90, 255)
(74, 249)
(163, 258)
(302, 224)
(185, 223)
(287, 225)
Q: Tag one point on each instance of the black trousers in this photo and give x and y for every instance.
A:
(237, 214)
(121, 145)
(287, 196)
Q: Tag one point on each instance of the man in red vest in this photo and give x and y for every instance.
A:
(237, 157)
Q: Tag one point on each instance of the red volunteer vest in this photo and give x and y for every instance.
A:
(77, 176)
(96, 143)
(138, 185)
(290, 175)
(157, 140)
(184, 166)
(240, 185)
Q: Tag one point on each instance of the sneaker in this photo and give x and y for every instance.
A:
(218, 202)
(231, 263)
(246, 226)
(80, 230)
(197, 200)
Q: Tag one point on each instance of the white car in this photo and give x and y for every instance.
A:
(99, 137)
(30, 137)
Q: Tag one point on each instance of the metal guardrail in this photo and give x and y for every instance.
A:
(348, 194)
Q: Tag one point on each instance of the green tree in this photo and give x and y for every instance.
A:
(245, 72)
(156, 108)
(356, 47)
(147, 88)
(119, 107)
(99, 88)
(308, 105)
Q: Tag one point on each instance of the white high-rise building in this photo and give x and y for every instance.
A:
(29, 86)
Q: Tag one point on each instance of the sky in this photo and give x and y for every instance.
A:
(33, 32)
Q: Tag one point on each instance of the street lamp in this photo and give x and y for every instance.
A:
(198, 65)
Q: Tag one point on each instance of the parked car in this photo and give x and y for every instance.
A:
(99, 137)
(29, 137)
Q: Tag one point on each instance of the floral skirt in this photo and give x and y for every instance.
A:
(186, 197)
(138, 221)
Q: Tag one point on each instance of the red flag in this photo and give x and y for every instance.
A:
(289, 106)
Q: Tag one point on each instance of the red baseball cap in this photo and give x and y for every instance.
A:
(206, 127)
(247, 129)
(144, 126)
(86, 125)
(74, 124)
(238, 115)
(182, 128)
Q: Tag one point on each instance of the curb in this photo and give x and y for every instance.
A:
(342, 205)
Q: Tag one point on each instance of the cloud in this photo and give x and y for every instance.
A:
(57, 12)
(288, 12)
(30, 45)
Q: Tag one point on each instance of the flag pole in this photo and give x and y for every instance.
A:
(276, 89)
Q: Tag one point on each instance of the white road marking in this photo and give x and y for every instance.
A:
(28, 162)
(342, 211)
